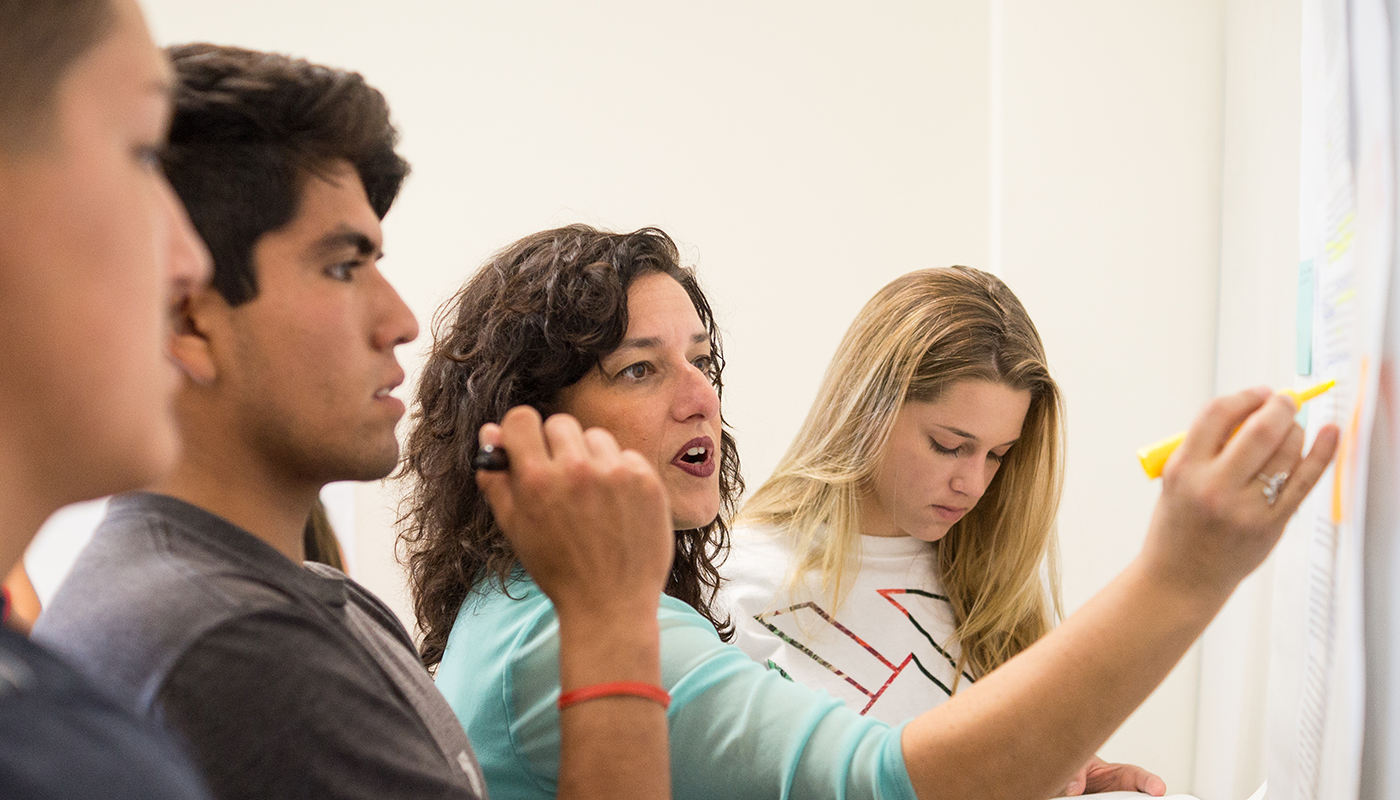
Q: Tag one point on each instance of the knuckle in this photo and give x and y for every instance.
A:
(560, 423)
(1171, 473)
(1214, 503)
(599, 435)
(519, 414)
(1221, 405)
(574, 469)
(533, 480)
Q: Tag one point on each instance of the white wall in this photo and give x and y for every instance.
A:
(804, 154)
(1110, 235)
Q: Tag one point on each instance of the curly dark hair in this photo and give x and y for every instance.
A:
(535, 319)
(249, 128)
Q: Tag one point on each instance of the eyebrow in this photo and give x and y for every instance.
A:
(655, 341)
(966, 435)
(341, 239)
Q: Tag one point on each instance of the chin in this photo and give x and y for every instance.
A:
(365, 466)
(686, 522)
(932, 534)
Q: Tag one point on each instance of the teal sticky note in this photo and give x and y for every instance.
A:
(1305, 317)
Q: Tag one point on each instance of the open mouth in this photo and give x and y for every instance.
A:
(386, 390)
(697, 457)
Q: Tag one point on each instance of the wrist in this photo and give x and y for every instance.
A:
(606, 616)
(605, 647)
(1176, 588)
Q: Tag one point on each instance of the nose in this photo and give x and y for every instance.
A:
(189, 265)
(696, 397)
(396, 324)
(971, 477)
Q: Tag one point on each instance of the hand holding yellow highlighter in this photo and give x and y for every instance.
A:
(1154, 456)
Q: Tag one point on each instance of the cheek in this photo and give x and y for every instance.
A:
(116, 296)
(628, 422)
(122, 242)
(915, 469)
(993, 468)
(92, 311)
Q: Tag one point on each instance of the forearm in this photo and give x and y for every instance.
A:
(1024, 729)
(612, 747)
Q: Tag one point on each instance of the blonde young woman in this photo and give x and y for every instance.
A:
(905, 545)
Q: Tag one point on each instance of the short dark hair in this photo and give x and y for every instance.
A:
(249, 128)
(38, 43)
(534, 320)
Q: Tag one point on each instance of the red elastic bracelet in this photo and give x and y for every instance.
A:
(629, 688)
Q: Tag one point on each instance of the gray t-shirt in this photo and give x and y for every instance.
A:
(283, 681)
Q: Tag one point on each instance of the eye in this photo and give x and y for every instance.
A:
(707, 365)
(635, 372)
(947, 451)
(149, 155)
(344, 271)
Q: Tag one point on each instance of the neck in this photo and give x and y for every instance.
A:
(873, 519)
(268, 506)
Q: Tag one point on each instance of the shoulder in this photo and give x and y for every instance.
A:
(283, 703)
(495, 630)
(692, 654)
(366, 602)
(500, 675)
(760, 564)
(757, 553)
(132, 605)
(280, 667)
(286, 649)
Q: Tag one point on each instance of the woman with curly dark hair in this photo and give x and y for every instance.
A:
(608, 330)
(535, 321)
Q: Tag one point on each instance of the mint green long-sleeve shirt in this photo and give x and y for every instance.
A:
(737, 729)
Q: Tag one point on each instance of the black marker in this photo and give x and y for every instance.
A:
(491, 458)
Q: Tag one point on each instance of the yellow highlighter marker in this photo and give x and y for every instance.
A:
(1154, 456)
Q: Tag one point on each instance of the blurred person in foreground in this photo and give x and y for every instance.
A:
(95, 251)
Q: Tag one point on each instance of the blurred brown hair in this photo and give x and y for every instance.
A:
(39, 41)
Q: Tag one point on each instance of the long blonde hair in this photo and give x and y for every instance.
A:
(999, 564)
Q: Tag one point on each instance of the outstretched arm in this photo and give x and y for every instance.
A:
(591, 524)
(1023, 730)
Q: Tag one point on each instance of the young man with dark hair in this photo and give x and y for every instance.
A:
(94, 249)
(192, 604)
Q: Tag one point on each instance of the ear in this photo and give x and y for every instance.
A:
(190, 346)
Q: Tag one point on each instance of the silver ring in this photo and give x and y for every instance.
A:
(1273, 485)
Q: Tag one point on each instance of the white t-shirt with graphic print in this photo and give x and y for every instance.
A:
(888, 651)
